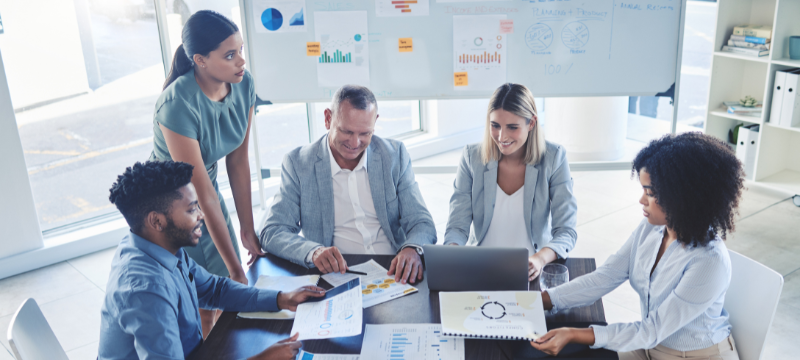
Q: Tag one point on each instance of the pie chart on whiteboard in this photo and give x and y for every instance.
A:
(272, 19)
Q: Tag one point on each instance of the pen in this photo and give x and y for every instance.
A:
(355, 272)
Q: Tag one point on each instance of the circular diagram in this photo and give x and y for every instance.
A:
(478, 41)
(575, 35)
(272, 19)
(325, 326)
(344, 315)
(493, 310)
(539, 37)
(357, 37)
(324, 333)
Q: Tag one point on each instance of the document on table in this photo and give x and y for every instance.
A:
(279, 283)
(511, 315)
(376, 286)
(309, 356)
(410, 341)
(337, 314)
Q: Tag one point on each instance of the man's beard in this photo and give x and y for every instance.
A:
(180, 237)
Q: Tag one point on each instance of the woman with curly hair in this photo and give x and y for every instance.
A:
(675, 259)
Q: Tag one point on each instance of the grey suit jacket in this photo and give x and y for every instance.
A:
(550, 209)
(305, 200)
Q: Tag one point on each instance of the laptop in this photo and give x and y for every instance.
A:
(473, 268)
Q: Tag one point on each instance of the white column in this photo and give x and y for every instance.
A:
(18, 219)
(589, 128)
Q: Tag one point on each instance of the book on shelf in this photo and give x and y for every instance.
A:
(750, 39)
(748, 45)
(745, 51)
(763, 31)
(733, 107)
(758, 105)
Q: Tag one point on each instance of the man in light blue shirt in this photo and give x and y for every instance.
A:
(154, 290)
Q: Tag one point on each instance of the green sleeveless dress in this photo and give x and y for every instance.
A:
(219, 127)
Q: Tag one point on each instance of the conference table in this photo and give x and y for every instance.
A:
(237, 338)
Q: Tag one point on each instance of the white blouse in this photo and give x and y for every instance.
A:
(508, 223)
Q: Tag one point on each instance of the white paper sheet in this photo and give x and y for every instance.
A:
(278, 16)
(386, 8)
(376, 286)
(480, 50)
(335, 316)
(410, 341)
(309, 356)
(344, 43)
(279, 283)
(513, 315)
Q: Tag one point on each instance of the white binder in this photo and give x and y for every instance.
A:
(777, 97)
(790, 115)
(746, 145)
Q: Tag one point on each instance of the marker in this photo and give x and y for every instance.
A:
(355, 272)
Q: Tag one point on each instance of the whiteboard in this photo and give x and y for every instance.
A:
(626, 48)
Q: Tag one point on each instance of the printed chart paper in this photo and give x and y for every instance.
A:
(338, 314)
(376, 287)
(410, 341)
(279, 283)
(385, 8)
(344, 43)
(277, 16)
(513, 315)
(479, 49)
(309, 356)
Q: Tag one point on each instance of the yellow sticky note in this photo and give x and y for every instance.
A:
(405, 45)
(460, 79)
(313, 49)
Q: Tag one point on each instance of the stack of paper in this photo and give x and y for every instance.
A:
(279, 283)
(376, 286)
(511, 315)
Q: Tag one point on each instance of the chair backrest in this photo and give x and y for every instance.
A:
(30, 335)
(751, 301)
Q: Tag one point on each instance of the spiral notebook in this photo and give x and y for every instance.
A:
(505, 315)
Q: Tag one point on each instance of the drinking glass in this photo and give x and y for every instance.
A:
(553, 275)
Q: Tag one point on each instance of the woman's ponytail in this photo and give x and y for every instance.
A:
(181, 64)
(203, 32)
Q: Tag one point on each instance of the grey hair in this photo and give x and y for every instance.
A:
(358, 96)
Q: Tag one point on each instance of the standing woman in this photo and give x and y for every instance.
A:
(514, 188)
(203, 115)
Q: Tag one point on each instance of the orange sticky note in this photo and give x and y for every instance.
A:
(313, 49)
(507, 26)
(405, 45)
(460, 79)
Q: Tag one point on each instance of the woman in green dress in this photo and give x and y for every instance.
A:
(203, 115)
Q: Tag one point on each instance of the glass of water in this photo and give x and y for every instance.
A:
(553, 275)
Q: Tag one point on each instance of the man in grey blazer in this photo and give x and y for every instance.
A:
(350, 192)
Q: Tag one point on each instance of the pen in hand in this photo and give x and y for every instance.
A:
(355, 272)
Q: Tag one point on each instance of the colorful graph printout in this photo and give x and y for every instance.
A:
(338, 314)
(279, 16)
(410, 341)
(376, 286)
(479, 49)
(509, 315)
(385, 8)
(344, 41)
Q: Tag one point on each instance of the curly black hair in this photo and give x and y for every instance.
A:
(151, 186)
(697, 180)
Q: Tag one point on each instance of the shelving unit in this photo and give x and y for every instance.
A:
(734, 76)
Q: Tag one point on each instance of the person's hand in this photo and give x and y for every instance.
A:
(328, 260)
(535, 265)
(253, 246)
(554, 341)
(406, 266)
(285, 349)
(288, 300)
(237, 274)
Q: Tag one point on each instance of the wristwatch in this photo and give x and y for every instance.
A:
(417, 248)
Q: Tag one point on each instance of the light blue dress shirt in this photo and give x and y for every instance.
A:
(152, 300)
(681, 302)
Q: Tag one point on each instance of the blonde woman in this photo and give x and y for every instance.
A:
(514, 188)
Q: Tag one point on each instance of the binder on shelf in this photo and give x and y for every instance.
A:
(746, 145)
(790, 114)
(777, 97)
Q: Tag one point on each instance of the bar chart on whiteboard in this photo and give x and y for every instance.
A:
(344, 48)
(479, 50)
(385, 8)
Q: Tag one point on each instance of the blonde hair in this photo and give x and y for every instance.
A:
(518, 100)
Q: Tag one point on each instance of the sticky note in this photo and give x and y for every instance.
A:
(405, 45)
(313, 49)
(460, 79)
(507, 26)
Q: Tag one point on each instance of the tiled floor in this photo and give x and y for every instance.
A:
(768, 230)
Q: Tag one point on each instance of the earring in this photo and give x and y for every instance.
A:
(159, 228)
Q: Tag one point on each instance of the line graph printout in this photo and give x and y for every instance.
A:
(511, 315)
(410, 341)
(338, 314)
(279, 16)
(386, 8)
(479, 49)
(344, 47)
